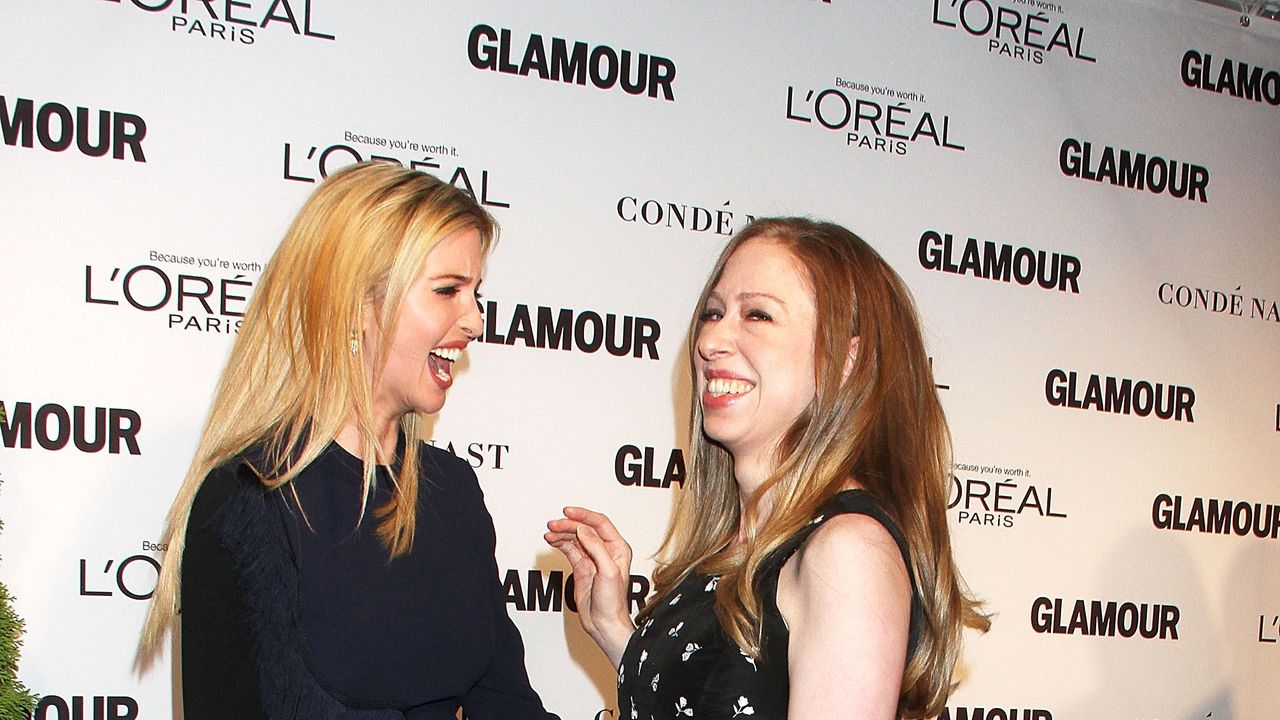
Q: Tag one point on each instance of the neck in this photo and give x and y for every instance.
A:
(386, 431)
(750, 470)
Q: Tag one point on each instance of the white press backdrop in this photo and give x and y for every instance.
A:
(244, 104)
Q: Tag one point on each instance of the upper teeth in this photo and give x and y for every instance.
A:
(450, 354)
(725, 386)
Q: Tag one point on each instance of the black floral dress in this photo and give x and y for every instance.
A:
(680, 663)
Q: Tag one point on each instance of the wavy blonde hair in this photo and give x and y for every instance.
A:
(292, 380)
(882, 424)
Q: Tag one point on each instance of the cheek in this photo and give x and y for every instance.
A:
(803, 383)
(408, 343)
(421, 332)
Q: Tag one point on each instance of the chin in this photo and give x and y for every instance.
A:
(720, 436)
(430, 407)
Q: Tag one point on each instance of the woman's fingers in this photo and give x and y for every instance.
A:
(571, 552)
(566, 531)
(598, 521)
(592, 544)
(606, 564)
(561, 524)
(585, 535)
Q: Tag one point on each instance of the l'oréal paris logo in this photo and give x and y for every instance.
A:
(237, 22)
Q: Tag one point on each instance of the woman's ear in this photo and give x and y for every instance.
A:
(370, 328)
(853, 355)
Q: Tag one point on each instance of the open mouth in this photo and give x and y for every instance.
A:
(720, 387)
(441, 362)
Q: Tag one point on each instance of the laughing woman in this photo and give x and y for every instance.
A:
(333, 564)
(808, 570)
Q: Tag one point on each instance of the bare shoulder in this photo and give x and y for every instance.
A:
(851, 551)
(850, 555)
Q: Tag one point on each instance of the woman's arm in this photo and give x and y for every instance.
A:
(219, 679)
(504, 693)
(846, 599)
(601, 561)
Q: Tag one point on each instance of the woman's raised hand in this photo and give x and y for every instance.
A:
(601, 561)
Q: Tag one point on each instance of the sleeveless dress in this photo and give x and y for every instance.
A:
(680, 663)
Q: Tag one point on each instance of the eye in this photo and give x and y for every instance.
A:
(710, 314)
(479, 297)
(447, 291)
(756, 314)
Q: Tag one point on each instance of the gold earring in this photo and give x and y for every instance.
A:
(355, 343)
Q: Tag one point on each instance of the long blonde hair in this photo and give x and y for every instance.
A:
(297, 371)
(881, 424)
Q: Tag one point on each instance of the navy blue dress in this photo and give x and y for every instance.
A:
(291, 609)
(680, 663)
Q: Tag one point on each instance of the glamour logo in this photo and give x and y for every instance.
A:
(134, 577)
(103, 707)
(552, 591)
(936, 384)
(1235, 78)
(319, 163)
(682, 216)
(1120, 395)
(563, 329)
(868, 123)
(1001, 502)
(1216, 517)
(1002, 263)
(56, 127)
(53, 427)
(238, 21)
(1011, 32)
(636, 73)
(1269, 629)
(192, 302)
(994, 713)
(634, 466)
(1098, 618)
(1133, 170)
(477, 454)
(1218, 302)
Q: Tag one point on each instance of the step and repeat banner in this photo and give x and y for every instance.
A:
(1083, 196)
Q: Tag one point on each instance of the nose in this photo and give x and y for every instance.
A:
(715, 338)
(472, 322)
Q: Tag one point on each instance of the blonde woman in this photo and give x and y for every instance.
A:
(808, 570)
(333, 565)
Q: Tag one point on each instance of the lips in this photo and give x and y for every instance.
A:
(440, 361)
(724, 389)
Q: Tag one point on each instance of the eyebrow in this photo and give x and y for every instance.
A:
(744, 296)
(453, 276)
